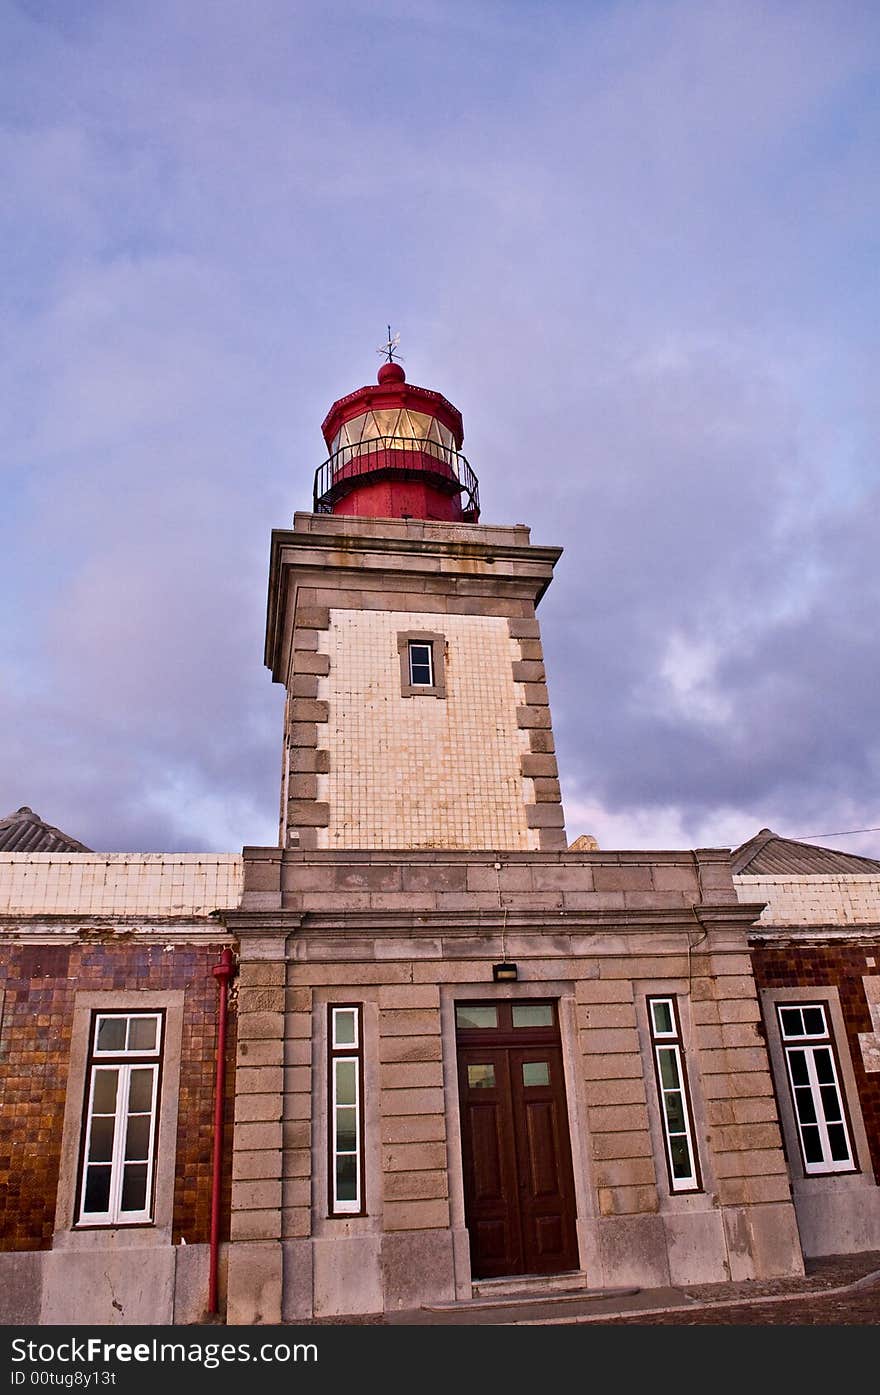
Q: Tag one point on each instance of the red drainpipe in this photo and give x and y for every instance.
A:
(223, 973)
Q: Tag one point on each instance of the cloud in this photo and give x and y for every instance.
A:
(633, 243)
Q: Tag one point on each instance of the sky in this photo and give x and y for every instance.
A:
(636, 242)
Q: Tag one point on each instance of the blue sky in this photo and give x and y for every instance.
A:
(635, 243)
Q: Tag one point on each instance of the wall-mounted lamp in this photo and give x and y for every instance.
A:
(504, 973)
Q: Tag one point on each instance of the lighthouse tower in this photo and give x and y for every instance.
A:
(405, 634)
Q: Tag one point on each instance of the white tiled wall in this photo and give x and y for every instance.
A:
(423, 772)
(119, 883)
(813, 900)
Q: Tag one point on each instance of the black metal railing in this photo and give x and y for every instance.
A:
(439, 465)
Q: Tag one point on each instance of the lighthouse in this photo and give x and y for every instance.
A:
(404, 631)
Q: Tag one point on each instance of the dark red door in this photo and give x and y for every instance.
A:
(518, 1184)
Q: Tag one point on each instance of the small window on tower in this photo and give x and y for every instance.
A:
(422, 664)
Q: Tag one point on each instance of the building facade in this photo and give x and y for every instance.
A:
(815, 952)
(108, 1078)
(458, 1055)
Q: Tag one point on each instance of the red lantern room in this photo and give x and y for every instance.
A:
(395, 453)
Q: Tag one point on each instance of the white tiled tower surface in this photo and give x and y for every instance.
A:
(413, 771)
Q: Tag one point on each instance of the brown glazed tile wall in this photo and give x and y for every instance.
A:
(40, 983)
(844, 966)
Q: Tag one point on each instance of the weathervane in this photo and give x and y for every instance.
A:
(389, 348)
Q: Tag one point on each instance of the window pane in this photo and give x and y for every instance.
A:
(838, 1144)
(142, 1034)
(681, 1157)
(830, 1103)
(824, 1065)
(101, 1139)
(791, 1022)
(481, 1077)
(532, 1014)
(104, 1097)
(140, 1090)
(134, 1187)
(814, 1021)
(798, 1062)
(97, 1199)
(536, 1073)
(420, 664)
(674, 1111)
(668, 1069)
(661, 1013)
(812, 1144)
(805, 1105)
(137, 1138)
(111, 1033)
(344, 1027)
(346, 1129)
(468, 1015)
(346, 1178)
(346, 1082)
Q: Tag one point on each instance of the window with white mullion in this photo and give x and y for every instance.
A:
(421, 665)
(675, 1115)
(815, 1089)
(116, 1185)
(346, 1132)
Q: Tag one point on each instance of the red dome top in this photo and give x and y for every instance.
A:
(395, 453)
(391, 373)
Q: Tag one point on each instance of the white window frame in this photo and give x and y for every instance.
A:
(69, 1233)
(428, 647)
(346, 1053)
(669, 1044)
(811, 1045)
(434, 644)
(122, 1062)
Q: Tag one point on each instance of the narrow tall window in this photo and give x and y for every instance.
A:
(346, 1111)
(116, 1184)
(675, 1115)
(815, 1088)
(421, 665)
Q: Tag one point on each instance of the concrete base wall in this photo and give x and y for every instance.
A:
(695, 1247)
(108, 1287)
(21, 1282)
(362, 1274)
(838, 1217)
(255, 1282)
(146, 1286)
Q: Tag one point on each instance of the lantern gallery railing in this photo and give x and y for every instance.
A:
(403, 457)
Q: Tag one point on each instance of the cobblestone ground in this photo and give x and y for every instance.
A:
(839, 1290)
(837, 1310)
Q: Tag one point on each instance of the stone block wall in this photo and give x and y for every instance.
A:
(405, 935)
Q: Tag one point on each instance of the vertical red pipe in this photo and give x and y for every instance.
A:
(223, 973)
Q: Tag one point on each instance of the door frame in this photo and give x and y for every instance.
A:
(584, 1189)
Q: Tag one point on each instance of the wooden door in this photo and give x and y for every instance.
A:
(518, 1183)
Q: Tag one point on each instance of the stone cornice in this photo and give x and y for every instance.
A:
(449, 924)
(366, 554)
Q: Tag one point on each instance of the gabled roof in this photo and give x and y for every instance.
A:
(767, 854)
(24, 831)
